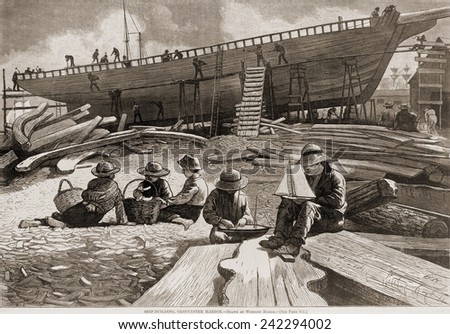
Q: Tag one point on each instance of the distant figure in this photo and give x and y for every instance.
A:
(38, 69)
(387, 118)
(431, 119)
(405, 120)
(177, 55)
(348, 111)
(116, 54)
(331, 112)
(160, 106)
(315, 115)
(389, 9)
(166, 56)
(419, 46)
(376, 12)
(28, 71)
(198, 67)
(137, 112)
(95, 56)
(69, 61)
(259, 55)
(281, 53)
(14, 80)
(104, 59)
(126, 62)
(93, 79)
(16, 70)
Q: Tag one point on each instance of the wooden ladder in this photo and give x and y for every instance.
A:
(215, 109)
(299, 98)
(429, 69)
(251, 107)
(351, 73)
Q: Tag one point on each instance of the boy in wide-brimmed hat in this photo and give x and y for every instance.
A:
(324, 213)
(227, 205)
(185, 207)
(153, 185)
(387, 116)
(101, 196)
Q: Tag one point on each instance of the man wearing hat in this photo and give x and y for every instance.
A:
(166, 56)
(387, 116)
(101, 196)
(153, 185)
(197, 63)
(227, 205)
(324, 213)
(405, 120)
(185, 207)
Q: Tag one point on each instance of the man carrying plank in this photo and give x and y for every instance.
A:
(323, 211)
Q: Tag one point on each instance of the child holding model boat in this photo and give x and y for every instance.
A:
(227, 206)
(320, 209)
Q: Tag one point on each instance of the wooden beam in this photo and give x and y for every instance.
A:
(68, 164)
(190, 282)
(431, 60)
(174, 135)
(432, 199)
(18, 126)
(36, 160)
(430, 71)
(122, 122)
(380, 270)
(257, 278)
(438, 103)
(67, 115)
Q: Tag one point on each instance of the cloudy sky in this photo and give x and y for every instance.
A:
(40, 32)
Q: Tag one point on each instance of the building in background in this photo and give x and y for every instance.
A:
(430, 85)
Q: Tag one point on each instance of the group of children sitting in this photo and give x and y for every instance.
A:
(225, 207)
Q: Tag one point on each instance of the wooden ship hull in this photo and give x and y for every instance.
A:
(322, 49)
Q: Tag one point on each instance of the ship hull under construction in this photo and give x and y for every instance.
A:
(322, 49)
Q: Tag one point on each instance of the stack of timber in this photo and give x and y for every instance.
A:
(39, 136)
(367, 152)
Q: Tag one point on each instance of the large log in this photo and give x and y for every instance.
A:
(36, 160)
(371, 195)
(254, 277)
(8, 162)
(190, 282)
(398, 220)
(424, 197)
(378, 273)
(407, 172)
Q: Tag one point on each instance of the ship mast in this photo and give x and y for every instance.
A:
(127, 40)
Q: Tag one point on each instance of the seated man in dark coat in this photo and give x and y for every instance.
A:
(227, 206)
(325, 213)
(405, 120)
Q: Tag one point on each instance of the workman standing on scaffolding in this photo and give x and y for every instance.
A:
(14, 80)
(160, 106)
(281, 53)
(95, 56)
(259, 55)
(198, 67)
(137, 112)
(93, 80)
(116, 54)
(69, 61)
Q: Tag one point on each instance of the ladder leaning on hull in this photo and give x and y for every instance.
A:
(252, 102)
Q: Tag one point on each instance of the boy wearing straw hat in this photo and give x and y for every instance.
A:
(227, 205)
(101, 196)
(185, 207)
(153, 185)
(324, 213)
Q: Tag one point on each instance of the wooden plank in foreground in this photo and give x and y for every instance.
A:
(379, 269)
(257, 277)
(191, 282)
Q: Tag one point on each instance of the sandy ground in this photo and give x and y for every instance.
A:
(108, 265)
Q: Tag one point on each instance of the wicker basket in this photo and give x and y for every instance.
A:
(65, 199)
(141, 212)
